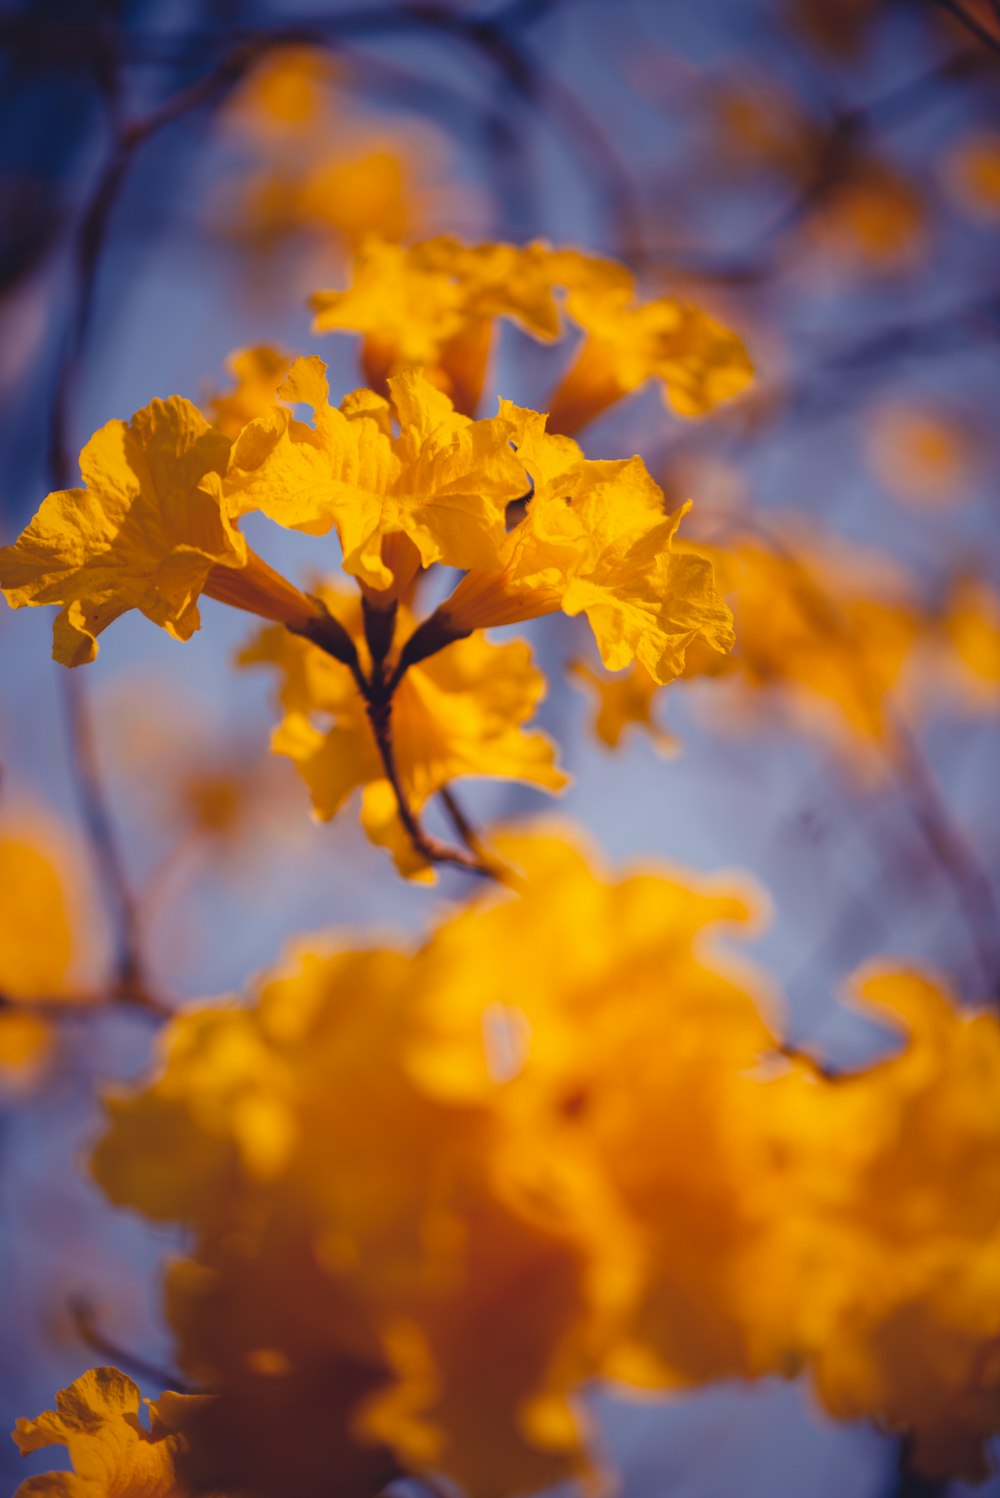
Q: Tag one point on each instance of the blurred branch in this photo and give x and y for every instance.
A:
(113, 879)
(954, 8)
(84, 1316)
(906, 1482)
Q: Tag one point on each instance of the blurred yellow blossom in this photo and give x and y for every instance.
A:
(436, 492)
(113, 1454)
(921, 454)
(697, 362)
(971, 627)
(458, 713)
(434, 305)
(972, 175)
(898, 1230)
(286, 93)
(873, 217)
(595, 539)
(829, 626)
(363, 1273)
(557, 1141)
(320, 169)
(624, 700)
(257, 373)
(37, 947)
(150, 531)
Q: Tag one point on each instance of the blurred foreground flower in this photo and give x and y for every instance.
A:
(38, 949)
(554, 1143)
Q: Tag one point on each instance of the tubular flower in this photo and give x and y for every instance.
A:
(698, 363)
(460, 712)
(113, 1455)
(150, 531)
(436, 492)
(435, 305)
(367, 1289)
(594, 539)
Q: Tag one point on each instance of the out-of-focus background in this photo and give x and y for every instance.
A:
(824, 176)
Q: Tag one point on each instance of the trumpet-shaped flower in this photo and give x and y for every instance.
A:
(150, 531)
(595, 540)
(458, 713)
(697, 362)
(437, 491)
(435, 305)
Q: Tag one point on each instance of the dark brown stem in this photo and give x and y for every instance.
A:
(430, 848)
(427, 639)
(380, 626)
(459, 820)
(378, 692)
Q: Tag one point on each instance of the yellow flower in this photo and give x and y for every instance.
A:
(150, 531)
(831, 626)
(37, 948)
(285, 94)
(902, 1268)
(697, 362)
(113, 1455)
(972, 631)
(363, 1275)
(972, 174)
(320, 169)
(257, 372)
(458, 713)
(827, 625)
(435, 304)
(595, 539)
(36, 939)
(436, 492)
(922, 455)
(624, 700)
(628, 1046)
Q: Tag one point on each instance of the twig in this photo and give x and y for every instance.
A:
(129, 966)
(82, 1006)
(378, 691)
(430, 848)
(83, 1314)
(970, 23)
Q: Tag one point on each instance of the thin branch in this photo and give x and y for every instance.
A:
(429, 848)
(84, 1320)
(378, 691)
(129, 964)
(970, 23)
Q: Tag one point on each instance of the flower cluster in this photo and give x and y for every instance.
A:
(430, 1195)
(406, 481)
